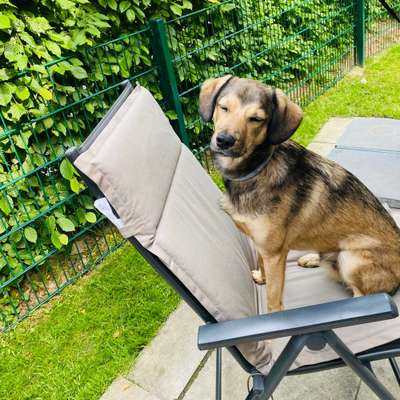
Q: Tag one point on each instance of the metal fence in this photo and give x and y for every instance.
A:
(49, 232)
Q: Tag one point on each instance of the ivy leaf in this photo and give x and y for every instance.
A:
(22, 92)
(66, 224)
(5, 22)
(30, 234)
(91, 217)
(66, 169)
(78, 72)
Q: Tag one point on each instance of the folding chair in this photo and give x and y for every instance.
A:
(155, 192)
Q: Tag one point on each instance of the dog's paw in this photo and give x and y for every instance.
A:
(275, 308)
(311, 260)
(258, 277)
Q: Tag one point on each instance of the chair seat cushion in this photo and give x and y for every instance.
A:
(307, 286)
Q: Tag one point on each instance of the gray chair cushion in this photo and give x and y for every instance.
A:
(169, 203)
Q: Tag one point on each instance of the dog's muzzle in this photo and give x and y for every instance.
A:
(225, 141)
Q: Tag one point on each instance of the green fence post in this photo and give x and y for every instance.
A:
(359, 32)
(169, 89)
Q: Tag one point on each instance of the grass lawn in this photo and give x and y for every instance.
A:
(75, 346)
(378, 97)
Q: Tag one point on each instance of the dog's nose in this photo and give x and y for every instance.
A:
(224, 141)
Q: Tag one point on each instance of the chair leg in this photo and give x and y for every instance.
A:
(264, 386)
(395, 368)
(218, 375)
(369, 366)
(357, 366)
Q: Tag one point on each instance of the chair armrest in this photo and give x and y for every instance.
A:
(311, 319)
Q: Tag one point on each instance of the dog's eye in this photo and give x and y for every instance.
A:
(223, 108)
(256, 119)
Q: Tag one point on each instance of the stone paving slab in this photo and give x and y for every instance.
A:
(122, 389)
(372, 133)
(385, 375)
(165, 367)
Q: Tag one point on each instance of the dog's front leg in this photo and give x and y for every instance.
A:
(226, 204)
(275, 268)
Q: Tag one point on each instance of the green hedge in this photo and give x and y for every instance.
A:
(49, 60)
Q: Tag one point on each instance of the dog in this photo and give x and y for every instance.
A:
(285, 197)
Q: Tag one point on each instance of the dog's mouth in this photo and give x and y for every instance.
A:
(225, 153)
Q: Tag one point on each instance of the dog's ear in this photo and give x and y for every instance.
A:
(285, 119)
(209, 92)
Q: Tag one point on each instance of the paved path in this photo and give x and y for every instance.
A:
(171, 367)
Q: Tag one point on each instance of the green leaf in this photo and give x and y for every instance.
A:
(6, 204)
(176, 9)
(6, 91)
(78, 72)
(53, 47)
(4, 74)
(22, 92)
(130, 15)
(5, 22)
(17, 111)
(30, 234)
(112, 4)
(66, 224)
(55, 240)
(51, 223)
(45, 93)
(38, 25)
(61, 127)
(66, 4)
(91, 217)
(187, 4)
(66, 169)
(75, 185)
(171, 115)
(124, 5)
(48, 123)
(63, 238)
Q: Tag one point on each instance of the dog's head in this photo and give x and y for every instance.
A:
(247, 114)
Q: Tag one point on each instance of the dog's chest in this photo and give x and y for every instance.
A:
(252, 198)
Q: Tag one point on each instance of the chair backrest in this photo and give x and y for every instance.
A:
(167, 205)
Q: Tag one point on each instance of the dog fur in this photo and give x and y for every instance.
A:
(298, 200)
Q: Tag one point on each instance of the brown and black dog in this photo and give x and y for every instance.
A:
(286, 197)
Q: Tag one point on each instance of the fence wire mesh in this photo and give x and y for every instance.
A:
(49, 232)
